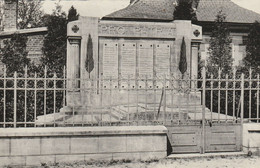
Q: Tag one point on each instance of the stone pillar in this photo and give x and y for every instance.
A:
(183, 29)
(194, 61)
(89, 28)
(73, 70)
(78, 34)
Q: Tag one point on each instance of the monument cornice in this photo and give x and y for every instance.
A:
(135, 29)
(74, 39)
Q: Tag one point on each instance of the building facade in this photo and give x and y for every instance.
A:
(8, 27)
(239, 19)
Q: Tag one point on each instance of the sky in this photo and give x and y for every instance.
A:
(96, 8)
(99, 8)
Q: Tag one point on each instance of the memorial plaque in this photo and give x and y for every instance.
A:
(162, 57)
(145, 60)
(110, 59)
(128, 59)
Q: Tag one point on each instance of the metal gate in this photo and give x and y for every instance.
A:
(217, 126)
(195, 139)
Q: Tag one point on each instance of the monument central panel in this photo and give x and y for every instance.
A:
(131, 58)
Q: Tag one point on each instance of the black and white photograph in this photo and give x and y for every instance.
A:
(129, 83)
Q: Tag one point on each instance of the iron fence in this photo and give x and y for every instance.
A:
(28, 100)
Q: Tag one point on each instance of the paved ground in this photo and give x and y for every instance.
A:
(209, 162)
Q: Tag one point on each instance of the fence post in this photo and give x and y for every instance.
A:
(211, 96)
(35, 97)
(137, 98)
(128, 92)
(4, 96)
(257, 99)
(242, 98)
(203, 109)
(250, 93)
(146, 91)
(234, 93)
(219, 90)
(25, 96)
(54, 98)
(164, 97)
(15, 98)
(45, 95)
(110, 100)
(226, 97)
(64, 87)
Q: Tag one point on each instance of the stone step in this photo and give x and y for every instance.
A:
(117, 115)
(206, 155)
(119, 110)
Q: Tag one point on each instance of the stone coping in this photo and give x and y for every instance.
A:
(24, 31)
(81, 131)
(252, 127)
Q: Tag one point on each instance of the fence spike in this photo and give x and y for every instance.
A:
(219, 72)
(64, 71)
(25, 71)
(234, 72)
(5, 71)
(45, 71)
(55, 75)
(250, 73)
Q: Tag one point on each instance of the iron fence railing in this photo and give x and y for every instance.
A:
(29, 100)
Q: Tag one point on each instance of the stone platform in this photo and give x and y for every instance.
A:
(37, 146)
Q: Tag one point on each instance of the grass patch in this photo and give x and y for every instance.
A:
(96, 163)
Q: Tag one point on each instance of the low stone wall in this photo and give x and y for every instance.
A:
(33, 146)
(251, 138)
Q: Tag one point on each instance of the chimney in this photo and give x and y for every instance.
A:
(10, 14)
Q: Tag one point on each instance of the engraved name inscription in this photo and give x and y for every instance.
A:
(162, 55)
(128, 59)
(110, 59)
(145, 60)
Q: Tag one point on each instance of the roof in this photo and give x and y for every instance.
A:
(163, 10)
(208, 9)
(145, 9)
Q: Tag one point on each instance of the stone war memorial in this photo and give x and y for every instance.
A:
(133, 88)
(129, 64)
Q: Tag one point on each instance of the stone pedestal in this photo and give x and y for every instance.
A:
(143, 50)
